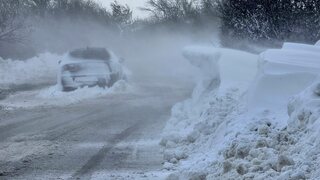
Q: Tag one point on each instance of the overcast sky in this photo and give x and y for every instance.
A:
(134, 5)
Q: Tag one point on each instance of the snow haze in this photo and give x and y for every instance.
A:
(178, 94)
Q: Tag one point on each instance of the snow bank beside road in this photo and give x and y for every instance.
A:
(267, 151)
(216, 137)
(37, 70)
(18, 75)
(197, 128)
(232, 66)
(283, 73)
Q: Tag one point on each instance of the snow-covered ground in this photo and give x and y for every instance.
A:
(250, 117)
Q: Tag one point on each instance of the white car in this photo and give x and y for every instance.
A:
(89, 67)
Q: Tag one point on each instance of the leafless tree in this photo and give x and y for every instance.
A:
(173, 10)
(121, 13)
(12, 26)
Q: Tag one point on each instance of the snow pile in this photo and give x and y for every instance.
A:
(266, 151)
(218, 134)
(196, 127)
(283, 73)
(37, 70)
(207, 60)
(199, 123)
(231, 66)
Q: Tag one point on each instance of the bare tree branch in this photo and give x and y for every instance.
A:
(11, 21)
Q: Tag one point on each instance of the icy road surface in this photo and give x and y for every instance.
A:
(111, 137)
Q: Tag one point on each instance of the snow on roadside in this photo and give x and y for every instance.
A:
(52, 96)
(216, 137)
(40, 69)
(197, 128)
(267, 151)
(54, 92)
(196, 131)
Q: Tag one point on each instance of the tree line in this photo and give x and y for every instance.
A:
(254, 21)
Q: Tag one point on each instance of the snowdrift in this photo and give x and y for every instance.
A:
(282, 74)
(37, 70)
(231, 66)
(258, 121)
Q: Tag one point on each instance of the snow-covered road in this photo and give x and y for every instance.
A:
(115, 136)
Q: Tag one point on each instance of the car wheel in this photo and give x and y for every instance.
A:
(102, 82)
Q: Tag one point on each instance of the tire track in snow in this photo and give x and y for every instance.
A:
(85, 172)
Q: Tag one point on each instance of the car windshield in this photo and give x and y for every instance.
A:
(91, 53)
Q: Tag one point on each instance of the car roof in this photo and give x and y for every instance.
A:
(92, 53)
